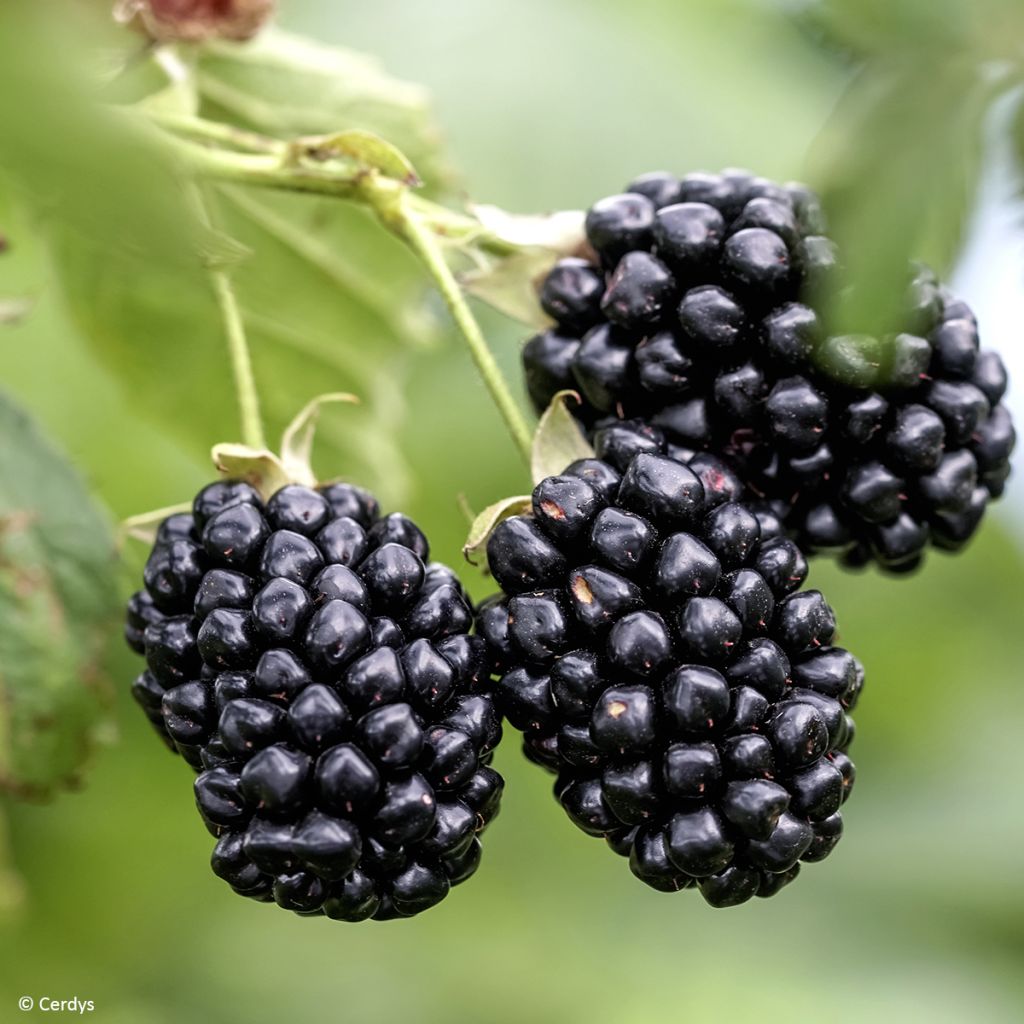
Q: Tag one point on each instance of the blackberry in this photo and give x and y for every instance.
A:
(656, 651)
(703, 314)
(316, 670)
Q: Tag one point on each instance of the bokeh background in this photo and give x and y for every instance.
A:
(919, 913)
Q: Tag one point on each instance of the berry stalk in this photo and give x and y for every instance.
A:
(241, 362)
(424, 243)
(238, 345)
(419, 223)
(249, 158)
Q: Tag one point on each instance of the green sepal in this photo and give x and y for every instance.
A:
(558, 440)
(484, 524)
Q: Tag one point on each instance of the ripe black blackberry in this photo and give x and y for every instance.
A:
(702, 314)
(658, 654)
(316, 670)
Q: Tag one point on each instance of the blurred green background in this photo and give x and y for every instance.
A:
(917, 916)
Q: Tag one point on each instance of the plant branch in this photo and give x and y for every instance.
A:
(201, 130)
(269, 163)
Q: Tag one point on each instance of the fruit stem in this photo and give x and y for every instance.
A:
(423, 242)
(241, 361)
(234, 332)
(419, 223)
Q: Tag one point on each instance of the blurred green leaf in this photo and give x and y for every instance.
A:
(81, 166)
(980, 30)
(288, 86)
(297, 441)
(1017, 144)
(898, 169)
(14, 306)
(57, 601)
(12, 888)
(510, 285)
(329, 297)
(866, 27)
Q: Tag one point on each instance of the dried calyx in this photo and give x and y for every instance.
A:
(196, 20)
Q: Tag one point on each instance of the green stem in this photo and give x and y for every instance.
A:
(201, 130)
(267, 170)
(238, 345)
(266, 164)
(421, 224)
(241, 362)
(425, 245)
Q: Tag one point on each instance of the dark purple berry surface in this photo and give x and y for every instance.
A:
(656, 650)
(704, 314)
(317, 671)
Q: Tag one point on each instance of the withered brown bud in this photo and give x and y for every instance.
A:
(196, 20)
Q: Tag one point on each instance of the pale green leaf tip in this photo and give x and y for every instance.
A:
(267, 471)
(297, 439)
(143, 526)
(559, 439)
(484, 524)
(257, 466)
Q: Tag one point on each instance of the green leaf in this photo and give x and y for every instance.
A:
(559, 440)
(483, 525)
(219, 251)
(1017, 144)
(869, 27)
(898, 169)
(83, 168)
(17, 290)
(297, 440)
(58, 599)
(511, 284)
(982, 29)
(287, 86)
(144, 525)
(329, 297)
(12, 887)
(852, 359)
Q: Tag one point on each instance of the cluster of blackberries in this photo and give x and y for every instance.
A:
(306, 658)
(652, 641)
(701, 313)
(658, 654)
